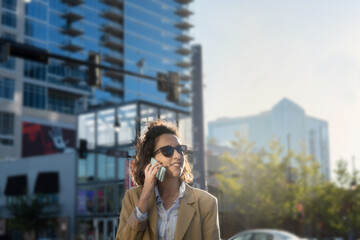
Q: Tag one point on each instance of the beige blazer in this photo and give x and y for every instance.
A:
(197, 217)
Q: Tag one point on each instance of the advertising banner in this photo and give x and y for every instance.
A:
(38, 139)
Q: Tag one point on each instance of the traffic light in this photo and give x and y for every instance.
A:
(4, 52)
(162, 83)
(174, 87)
(28, 52)
(94, 72)
(83, 151)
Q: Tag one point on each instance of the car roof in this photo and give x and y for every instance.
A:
(273, 231)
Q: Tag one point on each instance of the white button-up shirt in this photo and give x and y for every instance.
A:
(166, 218)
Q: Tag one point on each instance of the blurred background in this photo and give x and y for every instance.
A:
(265, 94)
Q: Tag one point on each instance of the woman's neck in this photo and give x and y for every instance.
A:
(169, 187)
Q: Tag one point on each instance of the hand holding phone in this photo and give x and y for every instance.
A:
(160, 175)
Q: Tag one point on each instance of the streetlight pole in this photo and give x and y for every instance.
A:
(353, 187)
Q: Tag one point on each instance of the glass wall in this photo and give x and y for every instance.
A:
(105, 199)
(147, 113)
(105, 127)
(86, 168)
(85, 200)
(185, 129)
(86, 128)
(127, 118)
(105, 167)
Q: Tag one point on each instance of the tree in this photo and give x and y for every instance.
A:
(29, 214)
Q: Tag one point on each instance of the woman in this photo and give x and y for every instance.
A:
(170, 209)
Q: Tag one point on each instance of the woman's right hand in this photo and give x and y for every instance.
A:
(149, 185)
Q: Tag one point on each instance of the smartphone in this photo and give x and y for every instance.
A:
(160, 175)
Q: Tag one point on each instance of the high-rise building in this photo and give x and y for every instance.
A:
(146, 37)
(39, 102)
(287, 123)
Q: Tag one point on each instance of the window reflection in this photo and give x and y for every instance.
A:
(105, 127)
(85, 201)
(106, 167)
(127, 116)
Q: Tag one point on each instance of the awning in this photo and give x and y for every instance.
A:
(16, 185)
(47, 183)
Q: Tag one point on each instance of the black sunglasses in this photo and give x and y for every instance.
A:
(168, 151)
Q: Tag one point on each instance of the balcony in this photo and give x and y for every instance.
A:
(184, 25)
(72, 14)
(184, 63)
(114, 28)
(186, 90)
(72, 44)
(112, 42)
(183, 51)
(183, 1)
(185, 103)
(113, 13)
(183, 12)
(186, 75)
(115, 3)
(73, 2)
(114, 57)
(73, 29)
(184, 38)
(116, 87)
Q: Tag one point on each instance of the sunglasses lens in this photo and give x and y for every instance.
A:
(167, 151)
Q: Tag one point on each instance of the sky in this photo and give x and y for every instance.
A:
(256, 52)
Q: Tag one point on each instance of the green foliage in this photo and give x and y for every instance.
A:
(28, 214)
(276, 189)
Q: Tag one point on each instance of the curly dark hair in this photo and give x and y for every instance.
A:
(145, 148)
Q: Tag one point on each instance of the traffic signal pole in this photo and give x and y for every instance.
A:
(41, 55)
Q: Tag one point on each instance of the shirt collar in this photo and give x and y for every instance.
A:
(181, 192)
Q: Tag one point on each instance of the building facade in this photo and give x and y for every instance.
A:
(49, 180)
(147, 37)
(287, 123)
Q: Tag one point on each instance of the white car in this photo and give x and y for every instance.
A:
(264, 234)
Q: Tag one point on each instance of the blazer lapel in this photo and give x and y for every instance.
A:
(153, 221)
(185, 214)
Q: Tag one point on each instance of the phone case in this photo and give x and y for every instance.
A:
(160, 175)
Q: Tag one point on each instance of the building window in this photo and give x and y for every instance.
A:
(7, 88)
(105, 167)
(10, 63)
(8, 19)
(9, 4)
(36, 10)
(86, 168)
(60, 102)
(122, 166)
(48, 199)
(121, 193)
(36, 29)
(35, 70)
(6, 129)
(105, 199)
(85, 201)
(34, 96)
